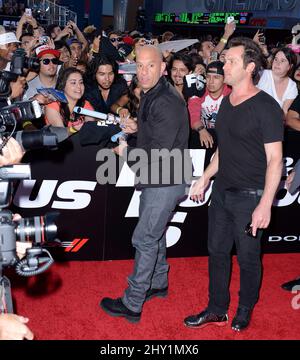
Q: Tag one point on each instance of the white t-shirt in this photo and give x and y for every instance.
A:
(266, 83)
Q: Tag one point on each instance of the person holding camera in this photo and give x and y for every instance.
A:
(248, 165)
(12, 326)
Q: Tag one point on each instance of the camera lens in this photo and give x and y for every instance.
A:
(37, 229)
(32, 63)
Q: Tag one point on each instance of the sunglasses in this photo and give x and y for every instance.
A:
(119, 39)
(54, 61)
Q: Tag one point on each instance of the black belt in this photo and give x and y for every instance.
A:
(253, 192)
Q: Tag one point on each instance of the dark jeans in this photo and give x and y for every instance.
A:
(229, 213)
(149, 239)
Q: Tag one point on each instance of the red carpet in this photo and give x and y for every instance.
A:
(63, 302)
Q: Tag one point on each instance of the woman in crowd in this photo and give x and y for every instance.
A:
(277, 82)
(61, 113)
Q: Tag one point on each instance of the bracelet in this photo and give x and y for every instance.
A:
(25, 123)
(118, 109)
(94, 51)
(199, 128)
(223, 40)
(133, 53)
(72, 130)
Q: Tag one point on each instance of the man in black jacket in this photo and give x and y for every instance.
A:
(163, 126)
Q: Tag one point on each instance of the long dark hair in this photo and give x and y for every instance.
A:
(60, 85)
(90, 75)
(134, 102)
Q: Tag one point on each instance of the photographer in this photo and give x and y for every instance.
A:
(12, 326)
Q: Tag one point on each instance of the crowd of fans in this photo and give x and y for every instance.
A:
(86, 67)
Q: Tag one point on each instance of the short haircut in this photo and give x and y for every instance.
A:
(252, 53)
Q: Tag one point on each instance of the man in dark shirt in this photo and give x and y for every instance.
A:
(104, 87)
(248, 164)
(162, 125)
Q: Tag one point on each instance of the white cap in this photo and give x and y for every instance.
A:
(8, 38)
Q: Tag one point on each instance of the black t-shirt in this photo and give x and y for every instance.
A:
(93, 95)
(242, 131)
(296, 105)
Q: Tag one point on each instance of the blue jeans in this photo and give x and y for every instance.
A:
(229, 213)
(149, 240)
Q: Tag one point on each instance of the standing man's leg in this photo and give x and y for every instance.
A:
(156, 207)
(220, 242)
(150, 265)
(249, 259)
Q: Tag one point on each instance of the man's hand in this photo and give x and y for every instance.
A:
(261, 217)
(12, 327)
(229, 29)
(197, 190)
(128, 125)
(12, 153)
(206, 139)
(119, 150)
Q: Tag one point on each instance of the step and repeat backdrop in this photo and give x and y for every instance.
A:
(96, 220)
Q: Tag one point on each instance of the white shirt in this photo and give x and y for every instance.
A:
(266, 83)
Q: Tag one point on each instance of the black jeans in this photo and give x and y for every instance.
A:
(229, 213)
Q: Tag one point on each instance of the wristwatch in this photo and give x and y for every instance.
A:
(199, 128)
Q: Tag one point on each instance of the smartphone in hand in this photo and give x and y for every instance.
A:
(28, 12)
(248, 230)
(230, 19)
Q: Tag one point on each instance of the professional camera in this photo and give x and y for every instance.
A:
(38, 231)
(19, 63)
(49, 136)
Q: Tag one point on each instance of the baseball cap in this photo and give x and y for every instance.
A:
(45, 49)
(8, 38)
(215, 67)
(73, 41)
(128, 40)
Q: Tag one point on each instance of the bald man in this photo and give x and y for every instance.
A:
(163, 124)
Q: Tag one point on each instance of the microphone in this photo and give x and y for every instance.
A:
(110, 118)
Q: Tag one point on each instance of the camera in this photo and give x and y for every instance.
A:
(262, 37)
(28, 12)
(38, 230)
(43, 40)
(18, 64)
(248, 230)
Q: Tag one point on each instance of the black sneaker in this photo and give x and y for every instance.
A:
(205, 318)
(151, 293)
(115, 307)
(291, 284)
(242, 319)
